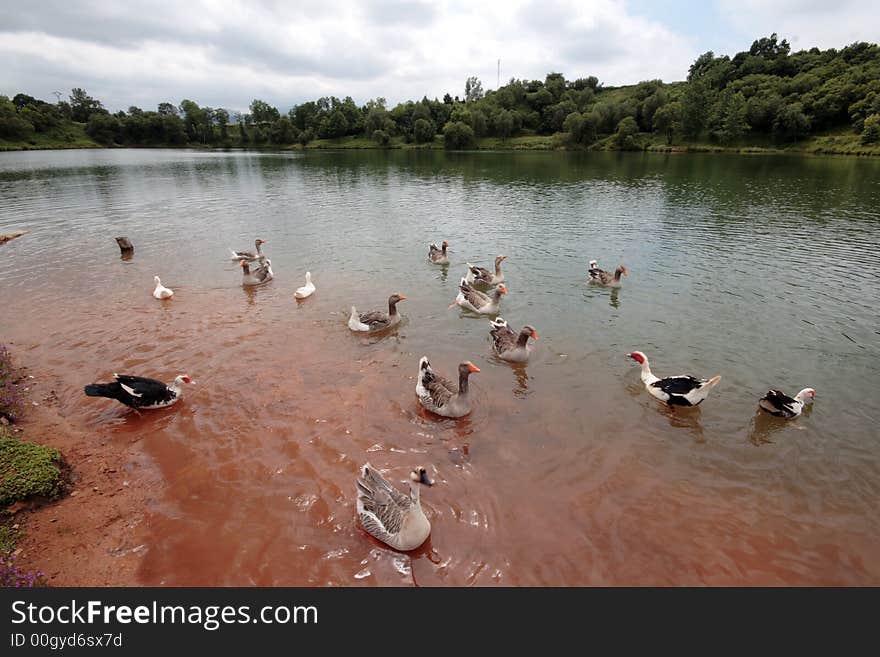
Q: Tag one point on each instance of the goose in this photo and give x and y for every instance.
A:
(139, 392)
(509, 345)
(376, 320)
(161, 292)
(605, 278)
(262, 274)
(482, 275)
(437, 255)
(780, 404)
(477, 301)
(393, 517)
(249, 255)
(674, 390)
(438, 394)
(306, 290)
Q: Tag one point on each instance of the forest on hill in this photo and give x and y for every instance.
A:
(766, 95)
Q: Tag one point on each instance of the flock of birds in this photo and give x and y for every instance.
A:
(391, 516)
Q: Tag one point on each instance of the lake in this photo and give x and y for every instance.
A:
(764, 269)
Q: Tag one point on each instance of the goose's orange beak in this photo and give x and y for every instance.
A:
(534, 335)
(473, 367)
(401, 297)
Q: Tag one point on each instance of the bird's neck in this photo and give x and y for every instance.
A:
(444, 249)
(414, 490)
(496, 294)
(617, 274)
(175, 387)
(497, 267)
(463, 383)
(392, 309)
(523, 339)
(647, 375)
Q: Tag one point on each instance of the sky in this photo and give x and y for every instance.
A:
(226, 53)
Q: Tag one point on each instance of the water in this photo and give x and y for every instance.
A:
(761, 269)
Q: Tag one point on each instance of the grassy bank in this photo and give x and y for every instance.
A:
(836, 143)
(67, 135)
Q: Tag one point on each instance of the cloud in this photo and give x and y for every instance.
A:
(226, 54)
(805, 23)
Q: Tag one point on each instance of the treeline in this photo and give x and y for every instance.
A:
(764, 93)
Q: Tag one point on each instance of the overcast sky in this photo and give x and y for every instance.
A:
(224, 54)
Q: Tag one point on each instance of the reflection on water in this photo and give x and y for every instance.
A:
(259, 459)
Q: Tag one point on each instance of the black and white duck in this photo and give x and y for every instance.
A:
(779, 404)
(683, 390)
(139, 392)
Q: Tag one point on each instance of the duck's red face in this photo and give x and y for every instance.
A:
(637, 356)
(186, 379)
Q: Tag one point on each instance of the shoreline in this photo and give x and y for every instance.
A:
(822, 145)
(93, 534)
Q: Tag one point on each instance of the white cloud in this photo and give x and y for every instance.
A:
(806, 23)
(224, 55)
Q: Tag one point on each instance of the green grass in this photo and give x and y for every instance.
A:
(27, 470)
(67, 135)
(7, 539)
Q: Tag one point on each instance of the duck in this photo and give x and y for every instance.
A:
(509, 345)
(481, 275)
(438, 255)
(477, 301)
(262, 274)
(781, 405)
(390, 516)
(674, 390)
(306, 290)
(139, 392)
(161, 292)
(438, 395)
(605, 278)
(249, 255)
(376, 320)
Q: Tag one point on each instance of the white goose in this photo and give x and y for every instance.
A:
(306, 290)
(780, 404)
(161, 292)
(387, 514)
(674, 390)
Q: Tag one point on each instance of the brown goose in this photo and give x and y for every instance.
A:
(438, 395)
(437, 255)
(387, 514)
(482, 275)
(249, 255)
(376, 320)
(605, 278)
(508, 345)
(477, 301)
(262, 274)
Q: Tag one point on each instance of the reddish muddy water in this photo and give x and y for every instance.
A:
(566, 473)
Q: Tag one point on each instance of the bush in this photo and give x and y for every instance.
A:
(458, 135)
(27, 469)
(381, 137)
(625, 137)
(871, 131)
(11, 393)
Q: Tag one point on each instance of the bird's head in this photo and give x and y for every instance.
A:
(395, 298)
(420, 476)
(467, 367)
(623, 270)
(638, 356)
(807, 395)
(529, 330)
(502, 289)
(445, 244)
(182, 379)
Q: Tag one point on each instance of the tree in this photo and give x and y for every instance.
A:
(504, 124)
(423, 131)
(871, 131)
(82, 105)
(627, 130)
(263, 112)
(103, 128)
(791, 123)
(458, 135)
(167, 109)
(282, 132)
(12, 126)
(667, 120)
(694, 105)
(473, 89)
(734, 123)
(381, 137)
(221, 120)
